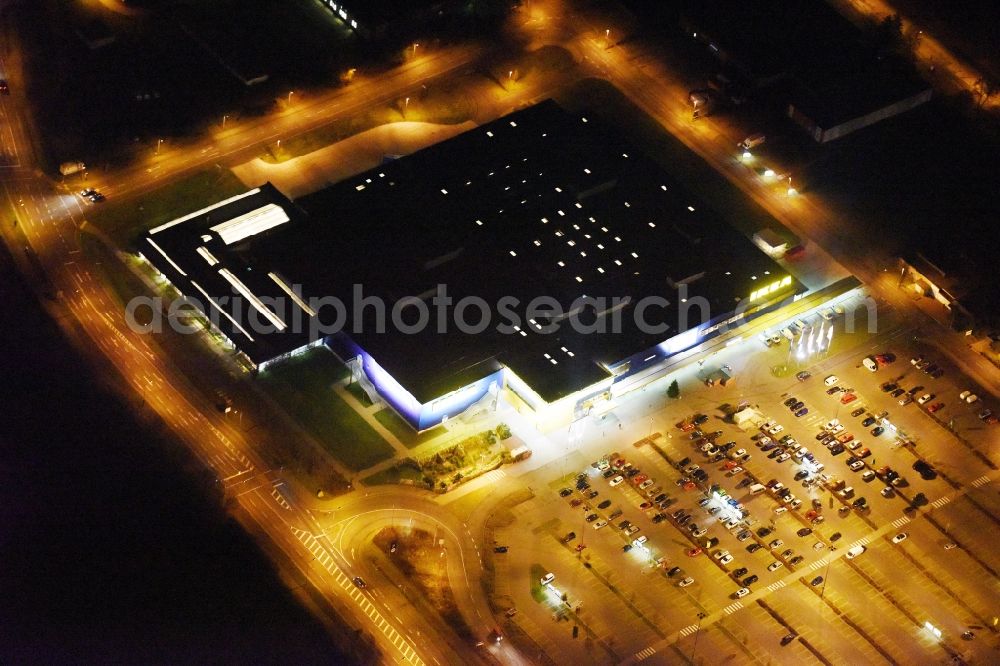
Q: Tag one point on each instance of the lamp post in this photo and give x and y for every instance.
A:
(414, 54)
(224, 119)
(158, 142)
(290, 97)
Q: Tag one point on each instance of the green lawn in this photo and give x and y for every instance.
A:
(303, 386)
(125, 221)
(394, 474)
(403, 431)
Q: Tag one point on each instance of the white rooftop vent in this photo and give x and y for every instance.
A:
(250, 224)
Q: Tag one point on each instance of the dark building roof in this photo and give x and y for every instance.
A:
(832, 101)
(769, 39)
(837, 74)
(538, 203)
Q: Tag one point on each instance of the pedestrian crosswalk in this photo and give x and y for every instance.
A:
(279, 498)
(732, 608)
(938, 503)
(321, 555)
(899, 522)
(773, 587)
(863, 541)
(818, 564)
(981, 481)
(491, 477)
(688, 630)
(645, 654)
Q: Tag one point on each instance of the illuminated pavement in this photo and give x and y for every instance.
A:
(868, 609)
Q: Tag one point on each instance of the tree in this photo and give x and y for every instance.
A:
(674, 390)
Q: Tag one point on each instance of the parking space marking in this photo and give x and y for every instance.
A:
(981, 481)
(777, 585)
(938, 503)
(645, 654)
(899, 522)
(863, 541)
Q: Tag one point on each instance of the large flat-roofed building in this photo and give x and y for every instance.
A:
(836, 79)
(386, 19)
(538, 204)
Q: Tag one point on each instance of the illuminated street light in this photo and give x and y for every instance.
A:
(158, 142)
(290, 97)
(224, 118)
(414, 54)
(791, 190)
(769, 173)
(747, 156)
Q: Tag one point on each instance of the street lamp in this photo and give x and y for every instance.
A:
(791, 190)
(224, 118)
(158, 142)
(290, 97)
(414, 54)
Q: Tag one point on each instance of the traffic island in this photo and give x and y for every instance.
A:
(421, 559)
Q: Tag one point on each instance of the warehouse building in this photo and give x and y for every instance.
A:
(540, 204)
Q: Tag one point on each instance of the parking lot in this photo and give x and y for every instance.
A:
(710, 538)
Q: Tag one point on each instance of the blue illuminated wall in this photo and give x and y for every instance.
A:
(419, 415)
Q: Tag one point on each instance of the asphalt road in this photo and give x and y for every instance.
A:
(628, 608)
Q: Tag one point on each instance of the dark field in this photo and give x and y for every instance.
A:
(112, 543)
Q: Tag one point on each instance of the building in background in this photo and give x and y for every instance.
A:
(540, 204)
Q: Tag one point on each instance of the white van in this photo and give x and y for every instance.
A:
(847, 493)
(789, 334)
(854, 552)
(757, 489)
(870, 363)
